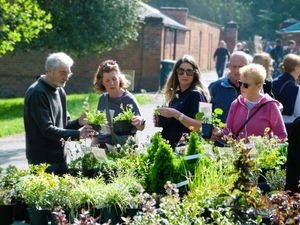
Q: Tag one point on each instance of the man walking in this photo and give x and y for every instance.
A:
(46, 119)
(225, 90)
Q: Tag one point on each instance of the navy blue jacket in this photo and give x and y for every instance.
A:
(222, 95)
(285, 91)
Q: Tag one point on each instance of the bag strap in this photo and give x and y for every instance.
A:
(249, 118)
(108, 113)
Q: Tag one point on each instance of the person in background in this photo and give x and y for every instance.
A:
(46, 120)
(221, 56)
(183, 90)
(277, 55)
(111, 84)
(224, 91)
(269, 47)
(292, 48)
(265, 110)
(266, 61)
(245, 47)
(286, 90)
(238, 47)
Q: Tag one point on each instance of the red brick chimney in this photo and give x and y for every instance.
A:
(178, 14)
(231, 35)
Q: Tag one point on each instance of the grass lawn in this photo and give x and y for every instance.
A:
(11, 110)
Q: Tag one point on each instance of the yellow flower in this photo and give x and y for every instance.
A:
(267, 130)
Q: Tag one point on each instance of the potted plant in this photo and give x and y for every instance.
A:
(43, 192)
(9, 196)
(209, 124)
(122, 122)
(159, 120)
(96, 120)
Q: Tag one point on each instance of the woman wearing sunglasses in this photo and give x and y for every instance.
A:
(184, 90)
(252, 112)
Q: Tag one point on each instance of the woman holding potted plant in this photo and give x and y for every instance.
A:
(183, 92)
(118, 104)
(252, 112)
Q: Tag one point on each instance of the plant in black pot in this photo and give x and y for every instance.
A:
(209, 123)
(42, 192)
(122, 122)
(159, 121)
(9, 196)
(96, 120)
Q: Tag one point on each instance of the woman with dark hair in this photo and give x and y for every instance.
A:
(183, 92)
(112, 83)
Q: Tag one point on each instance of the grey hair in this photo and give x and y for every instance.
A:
(54, 60)
(247, 57)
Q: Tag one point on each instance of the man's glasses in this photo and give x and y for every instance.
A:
(188, 72)
(245, 85)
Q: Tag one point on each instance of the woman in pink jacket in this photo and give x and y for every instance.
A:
(252, 112)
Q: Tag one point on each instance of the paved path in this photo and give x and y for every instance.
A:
(12, 148)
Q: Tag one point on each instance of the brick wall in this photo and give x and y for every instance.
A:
(200, 42)
(155, 42)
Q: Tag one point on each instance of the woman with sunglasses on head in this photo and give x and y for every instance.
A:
(183, 92)
(112, 83)
(252, 112)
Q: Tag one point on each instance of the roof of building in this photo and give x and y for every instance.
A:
(295, 28)
(148, 11)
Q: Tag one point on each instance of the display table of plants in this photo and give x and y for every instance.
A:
(198, 183)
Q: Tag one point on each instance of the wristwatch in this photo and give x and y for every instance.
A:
(180, 117)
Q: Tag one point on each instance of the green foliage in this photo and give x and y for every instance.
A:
(245, 193)
(272, 153)
(106, 24)
(252, 16)
(97, 118)
(126, 114)
(276, 179)
(156, 140)
(11, 116)
(164, 168)
(194, 145)
(215, 121)
(9, 179)
(21, 21)
(42, 190)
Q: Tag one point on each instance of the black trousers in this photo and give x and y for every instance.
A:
(293, 158)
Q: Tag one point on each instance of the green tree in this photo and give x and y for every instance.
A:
(96, 26)
(21, 21)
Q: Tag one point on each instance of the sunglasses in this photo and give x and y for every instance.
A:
(245, 85)
(188, 72)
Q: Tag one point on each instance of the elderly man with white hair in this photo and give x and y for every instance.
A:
(46, 119)
(224, 91)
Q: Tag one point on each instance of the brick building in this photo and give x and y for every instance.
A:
(166, 34)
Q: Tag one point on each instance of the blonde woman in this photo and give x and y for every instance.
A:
(266, 61)
(252, 112)
(183, 92)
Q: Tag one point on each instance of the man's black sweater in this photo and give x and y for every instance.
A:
(47, 123)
